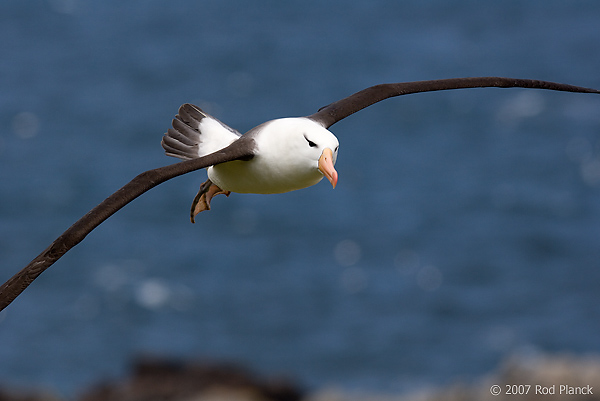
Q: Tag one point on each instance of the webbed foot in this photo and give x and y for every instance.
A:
(202, 200)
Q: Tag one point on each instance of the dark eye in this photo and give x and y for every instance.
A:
(336, 148)
(310, 143)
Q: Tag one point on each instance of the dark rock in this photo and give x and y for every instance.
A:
(26, 395)
(165, 379)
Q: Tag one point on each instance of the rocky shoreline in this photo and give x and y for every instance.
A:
(539, 377)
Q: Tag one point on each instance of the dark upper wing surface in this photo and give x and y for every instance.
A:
(334, 112)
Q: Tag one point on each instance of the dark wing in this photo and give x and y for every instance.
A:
(242, 149)
(331, 114)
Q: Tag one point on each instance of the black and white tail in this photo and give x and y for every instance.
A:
(196, 134)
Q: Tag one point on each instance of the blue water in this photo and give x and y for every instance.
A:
(465, 225)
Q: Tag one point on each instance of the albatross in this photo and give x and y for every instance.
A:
(278, 156)
(283, 155)
(287, 154)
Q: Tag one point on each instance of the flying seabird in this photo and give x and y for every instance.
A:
(283, 155)
(277, 156)
(287, 154)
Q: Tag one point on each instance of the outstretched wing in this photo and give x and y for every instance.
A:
(242, 149)
(196, 134)
(331, 114)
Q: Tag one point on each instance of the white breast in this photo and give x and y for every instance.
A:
(285, 160)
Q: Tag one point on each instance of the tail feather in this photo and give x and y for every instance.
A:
(195, 134)
(190, 113)
(177, 145)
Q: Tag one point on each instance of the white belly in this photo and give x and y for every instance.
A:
(257, 177)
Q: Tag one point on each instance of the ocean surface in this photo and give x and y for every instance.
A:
(465, 226)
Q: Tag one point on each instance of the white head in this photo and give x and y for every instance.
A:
(300, 150)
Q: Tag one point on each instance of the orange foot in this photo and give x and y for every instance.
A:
(202, 200)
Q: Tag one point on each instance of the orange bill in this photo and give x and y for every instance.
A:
(326, 166)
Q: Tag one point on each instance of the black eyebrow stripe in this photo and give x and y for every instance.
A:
(310, 143)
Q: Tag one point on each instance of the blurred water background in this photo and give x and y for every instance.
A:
(465, 226)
